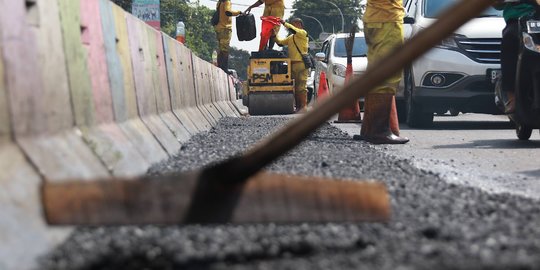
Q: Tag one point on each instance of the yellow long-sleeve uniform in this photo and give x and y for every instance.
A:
(383, 28)
(224, 27)
(274, 8)
(298, 69)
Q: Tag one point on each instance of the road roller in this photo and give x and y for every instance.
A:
(270, 87)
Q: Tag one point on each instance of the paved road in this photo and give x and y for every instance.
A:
(474, 149)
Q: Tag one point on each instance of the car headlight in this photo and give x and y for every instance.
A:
(339, 70)
(528, 42)
(449, 43)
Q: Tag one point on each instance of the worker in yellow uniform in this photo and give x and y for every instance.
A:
(297, 44)
(274, 8)
(383, 29)
(224, 32)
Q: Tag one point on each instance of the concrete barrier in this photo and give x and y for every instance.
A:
(175, 74)
(141, 59)
(88, 72)
(161, 86)
(222, 93)
(122, 84)
(88, 91)
(202, 88)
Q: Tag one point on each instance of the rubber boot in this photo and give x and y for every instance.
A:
(220, 60)
(271, 42)
(301, 102)
(376, 126)
(225, 61)
(394, 121)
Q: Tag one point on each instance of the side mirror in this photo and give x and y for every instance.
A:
(320, 56)
(409, 20)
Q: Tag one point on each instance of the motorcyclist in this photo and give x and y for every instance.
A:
(512, 11)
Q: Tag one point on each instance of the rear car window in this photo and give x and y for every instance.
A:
(359, 48)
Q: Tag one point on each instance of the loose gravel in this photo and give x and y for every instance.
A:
(434, 224)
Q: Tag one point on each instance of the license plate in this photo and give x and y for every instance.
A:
(533, 27)
(492, 75)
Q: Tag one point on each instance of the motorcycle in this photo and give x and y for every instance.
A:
(526, 115)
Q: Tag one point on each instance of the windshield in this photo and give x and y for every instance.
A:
(359, 48)
(432, 9)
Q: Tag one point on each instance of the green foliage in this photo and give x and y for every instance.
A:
(200, 35)
(327, 14)
(239, 60)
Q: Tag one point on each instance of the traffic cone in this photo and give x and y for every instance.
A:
(350, 114)
(322, 92)
(268, 23)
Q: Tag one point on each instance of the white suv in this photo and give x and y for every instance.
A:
(455, 75)
(332, 59)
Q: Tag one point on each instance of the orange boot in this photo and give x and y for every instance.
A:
(376, 126)
(394, 121)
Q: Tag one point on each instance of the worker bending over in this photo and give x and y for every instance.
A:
(274, 8)
(383, 29)
(297, 44)
(224, 32)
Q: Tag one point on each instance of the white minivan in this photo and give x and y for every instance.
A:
(456, 74)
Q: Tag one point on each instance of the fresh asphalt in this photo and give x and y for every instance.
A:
(436, 223)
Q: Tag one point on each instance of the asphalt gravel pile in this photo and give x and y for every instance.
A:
(434, 224)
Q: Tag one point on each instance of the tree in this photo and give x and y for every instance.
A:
(239, 60)
(314, 11)
(200, 35)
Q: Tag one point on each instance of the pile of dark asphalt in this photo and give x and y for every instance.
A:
(434, 224)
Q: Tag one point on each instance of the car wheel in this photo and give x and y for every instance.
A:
(523, 132)
(416, 118)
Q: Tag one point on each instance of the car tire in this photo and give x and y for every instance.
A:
(416, 117)
(523, 132)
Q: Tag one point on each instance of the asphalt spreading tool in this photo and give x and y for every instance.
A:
(235, 190)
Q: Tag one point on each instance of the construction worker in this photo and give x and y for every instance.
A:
(383, 29)
(274, 8)
(297, 44)
(224, 32)
(512, 11)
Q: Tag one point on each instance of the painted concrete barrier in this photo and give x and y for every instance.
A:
(86, 95)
